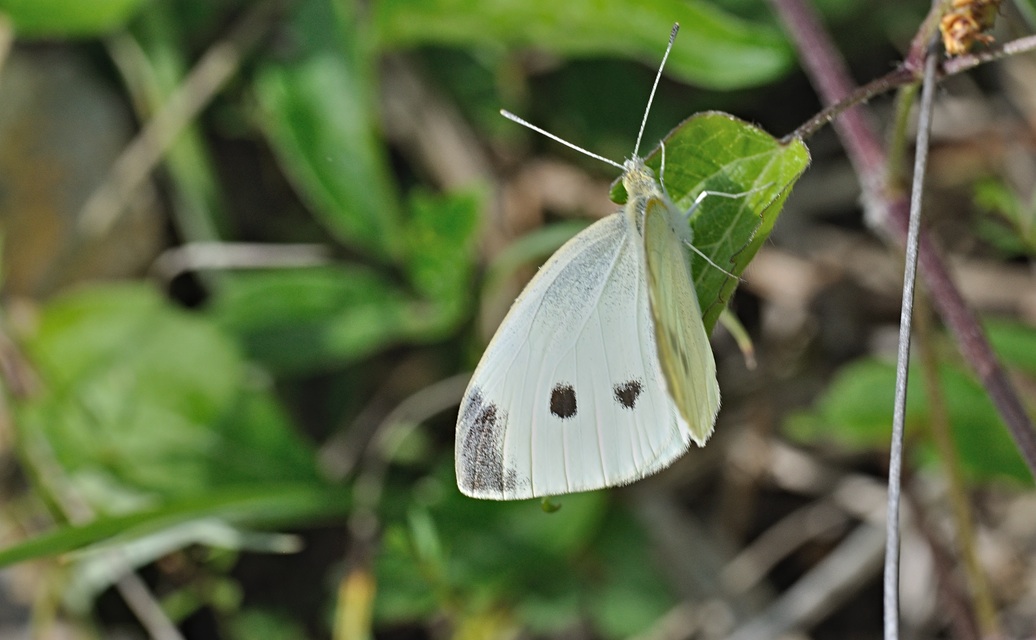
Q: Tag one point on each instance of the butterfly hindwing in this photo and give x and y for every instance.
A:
(570, 395)
(684, 350)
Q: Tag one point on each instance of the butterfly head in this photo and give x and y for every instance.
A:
(638, 179)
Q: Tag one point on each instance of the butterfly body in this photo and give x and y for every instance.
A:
(601, 373)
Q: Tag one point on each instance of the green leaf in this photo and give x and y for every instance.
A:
(715, 49)
(1015, 343)
(152, 73)
(483, 561)
(1011, 225)
(856, 412)
(142, 403)
(67, 18)
(318, 110)
(717, 152)
(310, 319)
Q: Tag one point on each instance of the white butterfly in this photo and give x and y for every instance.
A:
(602, 372)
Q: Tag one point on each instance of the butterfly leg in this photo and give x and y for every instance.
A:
(694, 207)
(709, 260)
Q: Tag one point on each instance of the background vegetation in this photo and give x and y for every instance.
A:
(252, 249)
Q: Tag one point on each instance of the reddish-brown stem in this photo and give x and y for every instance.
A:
(855, 128)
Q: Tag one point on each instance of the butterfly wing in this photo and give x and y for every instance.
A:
(570, 394)
(684, 350)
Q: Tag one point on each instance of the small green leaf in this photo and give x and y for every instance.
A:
(549, 506)
(856, 412)
(716, 49)
(856, 408)
(717, 152)
(68, 18)
(1015, 343)
(1011, 225)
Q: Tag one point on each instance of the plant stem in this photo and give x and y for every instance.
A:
(898, 140)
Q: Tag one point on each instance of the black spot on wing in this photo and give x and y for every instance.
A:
(563, 401)
(480, 468)
(626, 393)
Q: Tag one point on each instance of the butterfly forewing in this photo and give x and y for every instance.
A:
(570, 394)
(684, 351)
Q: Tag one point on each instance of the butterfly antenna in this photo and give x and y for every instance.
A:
(658, 76)
(513, 118)
(709, 260)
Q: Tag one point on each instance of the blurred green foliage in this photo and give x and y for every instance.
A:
(855, 410)
(152, 428)
(1011, 223)
(67, 18)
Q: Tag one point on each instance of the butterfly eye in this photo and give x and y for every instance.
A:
(628, 392)
(563, 401)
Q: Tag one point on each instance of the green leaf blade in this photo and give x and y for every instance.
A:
(717, 152)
